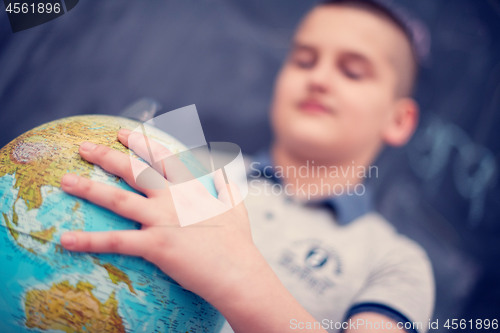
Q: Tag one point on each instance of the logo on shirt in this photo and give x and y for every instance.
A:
(316, 265)
(316, 258)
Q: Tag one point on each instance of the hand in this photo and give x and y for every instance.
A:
(215, 259)
(209, 258)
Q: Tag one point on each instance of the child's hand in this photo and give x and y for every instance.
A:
(199, 256)
(215, 259)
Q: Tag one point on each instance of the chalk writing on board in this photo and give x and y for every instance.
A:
(440, 146)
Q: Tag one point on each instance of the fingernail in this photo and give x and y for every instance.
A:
(68, 240)
(123, 132)
(69, 179)
(88, 146)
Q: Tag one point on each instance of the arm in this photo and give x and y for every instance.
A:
(372, 322)
(400, 284)
(215, 259)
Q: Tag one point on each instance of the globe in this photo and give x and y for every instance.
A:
(49, 289)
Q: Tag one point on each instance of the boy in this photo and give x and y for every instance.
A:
(341, 95)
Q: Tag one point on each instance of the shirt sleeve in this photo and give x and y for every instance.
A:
(400, 285)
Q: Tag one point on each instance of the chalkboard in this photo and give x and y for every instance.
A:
(442, 189)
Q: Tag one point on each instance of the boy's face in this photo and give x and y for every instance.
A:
(337, 91)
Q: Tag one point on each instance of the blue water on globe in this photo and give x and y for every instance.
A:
(49, 289)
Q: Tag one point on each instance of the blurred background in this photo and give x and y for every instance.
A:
(222, 55)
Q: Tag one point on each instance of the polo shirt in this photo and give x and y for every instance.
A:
(337, 256)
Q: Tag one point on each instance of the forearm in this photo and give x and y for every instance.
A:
(260, 303)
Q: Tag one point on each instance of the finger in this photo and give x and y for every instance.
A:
(125, 203)
(223, 193)
(158, 156)
(129, 242)
(126, 167)
(228, 193)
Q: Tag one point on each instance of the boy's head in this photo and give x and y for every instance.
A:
(344, 90)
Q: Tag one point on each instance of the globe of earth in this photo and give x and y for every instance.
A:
(49, 289)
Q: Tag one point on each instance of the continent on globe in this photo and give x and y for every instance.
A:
(49, 288)
(116, 275)
(72, 309)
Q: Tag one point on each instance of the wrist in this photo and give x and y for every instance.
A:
(258, 301)
(239, 279)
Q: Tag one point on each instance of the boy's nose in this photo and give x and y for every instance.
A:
(319, 79)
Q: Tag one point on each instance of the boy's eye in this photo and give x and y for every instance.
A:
(354, 71)
(303, 63)
(355, 68)
(303, 58)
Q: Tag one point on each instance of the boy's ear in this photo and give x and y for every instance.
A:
(402, 123)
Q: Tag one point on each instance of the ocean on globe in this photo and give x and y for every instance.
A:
(49, 289)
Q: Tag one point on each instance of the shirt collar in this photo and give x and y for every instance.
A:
(346, 208)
